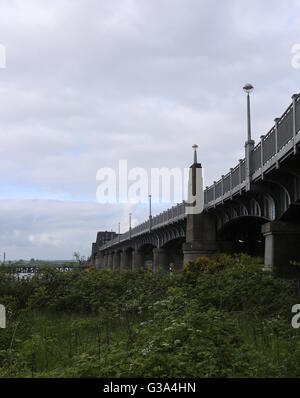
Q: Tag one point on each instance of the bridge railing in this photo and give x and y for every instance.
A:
(285, 129)
(282, 133)
(173, 214)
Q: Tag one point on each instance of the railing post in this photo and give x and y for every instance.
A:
(276, 120)
(294, 97)
(150, 213)
(231, 187)
(240, 175)
(222, 188)
(262, 155)
(215, 193)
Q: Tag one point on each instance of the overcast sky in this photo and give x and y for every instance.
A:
(89, 82)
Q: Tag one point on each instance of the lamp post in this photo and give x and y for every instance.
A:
(150, 213)
(119, 231)
(195, 147)
(249, 145)
(248, 88)
(130, 225)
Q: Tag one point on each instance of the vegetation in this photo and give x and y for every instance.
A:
(221, 317)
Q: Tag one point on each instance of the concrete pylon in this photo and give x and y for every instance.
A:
(105, 260)
(282, 240)
(137, 260)
(110, 261)
(160, 259)
(201, 231)
(124, 260)
(99, 261)
(116, 261)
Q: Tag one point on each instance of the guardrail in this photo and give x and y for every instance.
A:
(271, 146)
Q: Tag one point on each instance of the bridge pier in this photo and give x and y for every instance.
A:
(282, 240)
(124, 260)
(160, 259)
(137, 260)
(201, 236)
(201, 226)
(105, 261)
(110, 261)
(99, 261)
(116, 261)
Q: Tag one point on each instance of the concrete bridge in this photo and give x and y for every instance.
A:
(254, 208)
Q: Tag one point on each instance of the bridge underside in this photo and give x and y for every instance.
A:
(243, 235)
(277, 242)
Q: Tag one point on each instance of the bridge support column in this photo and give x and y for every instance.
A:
(105, 261)
(160, 260)
(201, 227)
(282, 240)
(137, 260)
(116, 261)
(110, 261)
(99, 262)
(124, 260)
(201, 236)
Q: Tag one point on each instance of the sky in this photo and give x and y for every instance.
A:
(90, 82)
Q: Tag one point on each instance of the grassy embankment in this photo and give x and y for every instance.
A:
(219, 318)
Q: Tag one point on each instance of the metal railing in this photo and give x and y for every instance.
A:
(285, 130)
(171, 215)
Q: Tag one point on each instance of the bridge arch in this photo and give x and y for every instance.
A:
(174, 252)
(243, 234)
(146, 252)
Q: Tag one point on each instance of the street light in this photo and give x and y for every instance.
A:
(195, 147)
(150, 213)
(130, 225)
(119, 231)
(248, 88)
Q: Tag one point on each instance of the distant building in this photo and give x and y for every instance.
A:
(102, 238)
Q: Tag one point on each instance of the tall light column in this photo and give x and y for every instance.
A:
(150, 213)
(249, 145)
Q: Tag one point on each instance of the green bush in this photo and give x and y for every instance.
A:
(222, 317)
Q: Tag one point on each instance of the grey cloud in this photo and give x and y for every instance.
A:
(91, 82)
